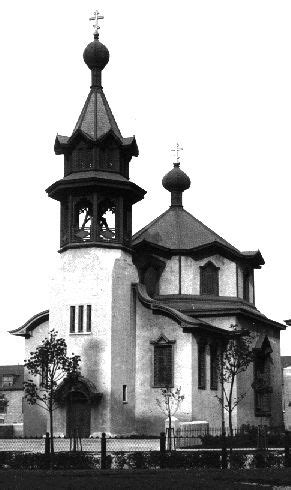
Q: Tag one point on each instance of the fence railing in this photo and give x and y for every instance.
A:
(157, 448)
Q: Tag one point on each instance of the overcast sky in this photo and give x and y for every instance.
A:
(213, 75)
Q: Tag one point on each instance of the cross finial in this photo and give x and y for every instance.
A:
(96, 17)
(177, 149)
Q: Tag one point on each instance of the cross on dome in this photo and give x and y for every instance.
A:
(96, 17)
(177, 150)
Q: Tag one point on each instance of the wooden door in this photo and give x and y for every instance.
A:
(78, 415)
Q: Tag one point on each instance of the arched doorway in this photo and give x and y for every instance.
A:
(78, 415)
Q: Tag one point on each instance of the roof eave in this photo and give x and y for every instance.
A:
(31, 324)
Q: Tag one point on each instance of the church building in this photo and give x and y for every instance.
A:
(148, 310)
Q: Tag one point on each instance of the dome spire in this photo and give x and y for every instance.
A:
(176, 181)
(96, 55)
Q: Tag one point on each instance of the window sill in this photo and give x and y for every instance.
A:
(162, 387)
(80, 333)
(201, 387)
(214, 388)
(124, 403)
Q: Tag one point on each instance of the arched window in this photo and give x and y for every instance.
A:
(209, 282)
(83, 220)
(163, 366)
(106, 218)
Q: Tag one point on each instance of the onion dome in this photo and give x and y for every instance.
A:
(96, 55)
(176, 182)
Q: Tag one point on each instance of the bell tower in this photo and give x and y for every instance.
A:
(95, 193)
(91, 303)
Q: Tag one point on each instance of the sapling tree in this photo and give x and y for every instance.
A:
(51, 364)
(169, 403)
(235, 358)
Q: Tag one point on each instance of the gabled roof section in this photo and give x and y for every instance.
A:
(31, 324)
(177, 230)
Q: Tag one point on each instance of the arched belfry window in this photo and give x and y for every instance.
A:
(106, 218)
(209, 279)
(83, 220)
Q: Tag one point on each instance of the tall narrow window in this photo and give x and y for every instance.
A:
(262, 379)
(201, 365)
(213, 367)
(163, 362)
(246, 285)
(124, 393)
(209, 279)
(72, 318)
(80, 318)
(163, 365)
(89, 310)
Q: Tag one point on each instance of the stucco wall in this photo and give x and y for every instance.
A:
(169, 280)
(190, 275)
(149, 327)
(101, 278)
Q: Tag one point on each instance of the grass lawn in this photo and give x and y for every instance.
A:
(145, 479)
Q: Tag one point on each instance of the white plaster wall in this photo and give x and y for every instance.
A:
(149, 418)
(190, 276)
(188, 282)
(287, 397)
(84, 276)
(169, 281)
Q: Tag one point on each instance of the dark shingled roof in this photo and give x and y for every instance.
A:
(17, 371)
(198, 306)
(96, 118)
(179, 230)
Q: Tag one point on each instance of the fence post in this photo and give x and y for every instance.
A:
(223, 452)
(287, 449)
(103, 451)
(47, 444)
(162, 449)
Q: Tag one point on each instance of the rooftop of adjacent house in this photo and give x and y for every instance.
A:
(11, 377)
(285, 361)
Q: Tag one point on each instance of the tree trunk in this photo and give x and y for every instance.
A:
(170, 429)
(51, 426)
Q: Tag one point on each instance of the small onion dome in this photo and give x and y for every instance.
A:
(96, 55)
(176, 180)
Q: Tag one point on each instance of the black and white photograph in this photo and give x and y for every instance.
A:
(145, 339)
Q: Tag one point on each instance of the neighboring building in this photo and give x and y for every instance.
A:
(286, 390)
(147, 311)
(11, 394)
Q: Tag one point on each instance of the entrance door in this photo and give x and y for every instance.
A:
(78, 415)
